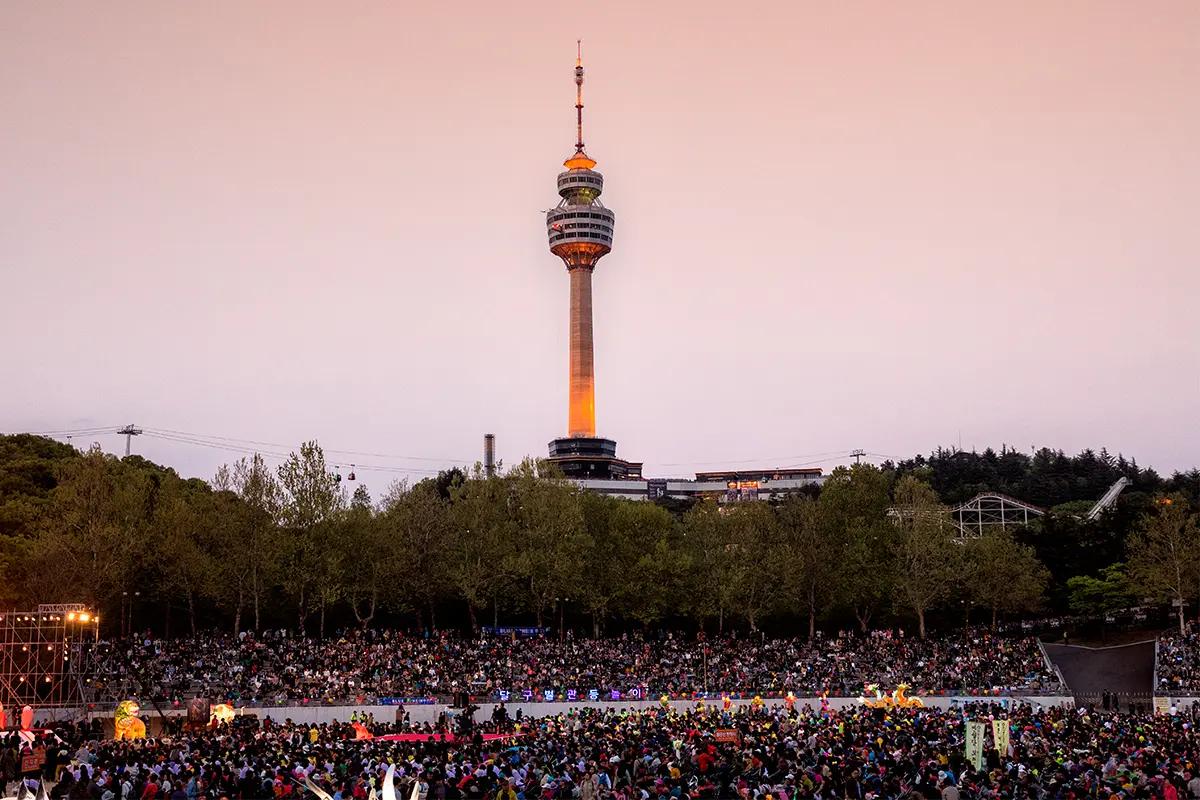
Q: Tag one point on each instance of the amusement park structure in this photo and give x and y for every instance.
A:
(990, 510)
(580, 231)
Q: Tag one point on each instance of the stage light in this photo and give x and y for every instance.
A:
(71, 617)
(84, 616)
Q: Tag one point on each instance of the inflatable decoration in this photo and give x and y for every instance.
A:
(221, 712)
(897, 699)
(360, 731)
(26, 718)
(3, 718)
(127, 725)
(317, 790)
(389, 788)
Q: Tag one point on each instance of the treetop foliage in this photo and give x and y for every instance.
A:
(289, 545)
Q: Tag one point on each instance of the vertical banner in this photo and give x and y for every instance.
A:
(1000, 732)
(975, 734)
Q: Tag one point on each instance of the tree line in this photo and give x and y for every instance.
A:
(290, 546)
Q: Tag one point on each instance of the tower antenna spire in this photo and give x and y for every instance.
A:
(579, 95)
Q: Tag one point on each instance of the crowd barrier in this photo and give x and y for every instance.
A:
(418, 714)
(1117, 701)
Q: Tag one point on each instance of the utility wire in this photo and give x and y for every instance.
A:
(774, 459)
(326, 449)
(284, 456)
(70, 431)
(282, 451)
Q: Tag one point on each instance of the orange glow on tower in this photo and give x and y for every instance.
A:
(580, 230)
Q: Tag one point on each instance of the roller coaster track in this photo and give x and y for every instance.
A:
(990, 509)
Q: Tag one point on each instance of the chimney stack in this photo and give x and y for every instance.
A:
(489, 454)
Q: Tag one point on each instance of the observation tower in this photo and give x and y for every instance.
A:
(580, 230)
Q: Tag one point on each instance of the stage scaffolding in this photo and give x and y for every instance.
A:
(44, 655)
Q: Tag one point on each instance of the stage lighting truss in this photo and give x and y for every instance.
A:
(44, 655)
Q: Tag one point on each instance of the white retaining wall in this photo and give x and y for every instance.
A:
(429, 713)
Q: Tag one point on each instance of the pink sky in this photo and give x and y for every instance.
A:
(858, 224)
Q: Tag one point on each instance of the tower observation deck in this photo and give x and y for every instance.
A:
(580, 232)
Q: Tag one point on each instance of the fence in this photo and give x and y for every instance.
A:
(1142, 702)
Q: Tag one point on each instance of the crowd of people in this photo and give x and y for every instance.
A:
(780, 753)
(1178, 666)
(364, 666)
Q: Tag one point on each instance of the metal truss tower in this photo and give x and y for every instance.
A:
(44, 655)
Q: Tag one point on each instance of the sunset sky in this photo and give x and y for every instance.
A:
(877, 225)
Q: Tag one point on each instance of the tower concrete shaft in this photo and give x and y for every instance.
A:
(581, 414)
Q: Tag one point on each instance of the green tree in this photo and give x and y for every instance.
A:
(183, 547)
(552, 543)
(1005, 576)
(92, 537)
(925, 554)
(709, 545)
(607, 586)
(1164, 553)
(369, 579)
(853, 508)
(237, 555)
(483, 532)
(646, 563)
(416, 523)
(755, 556)
(259, 548)
(1108, 591)
(313, 497)
(810, 546)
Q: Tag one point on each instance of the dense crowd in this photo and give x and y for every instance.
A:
(1178, 666)
(368, 665)
(593, 754)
